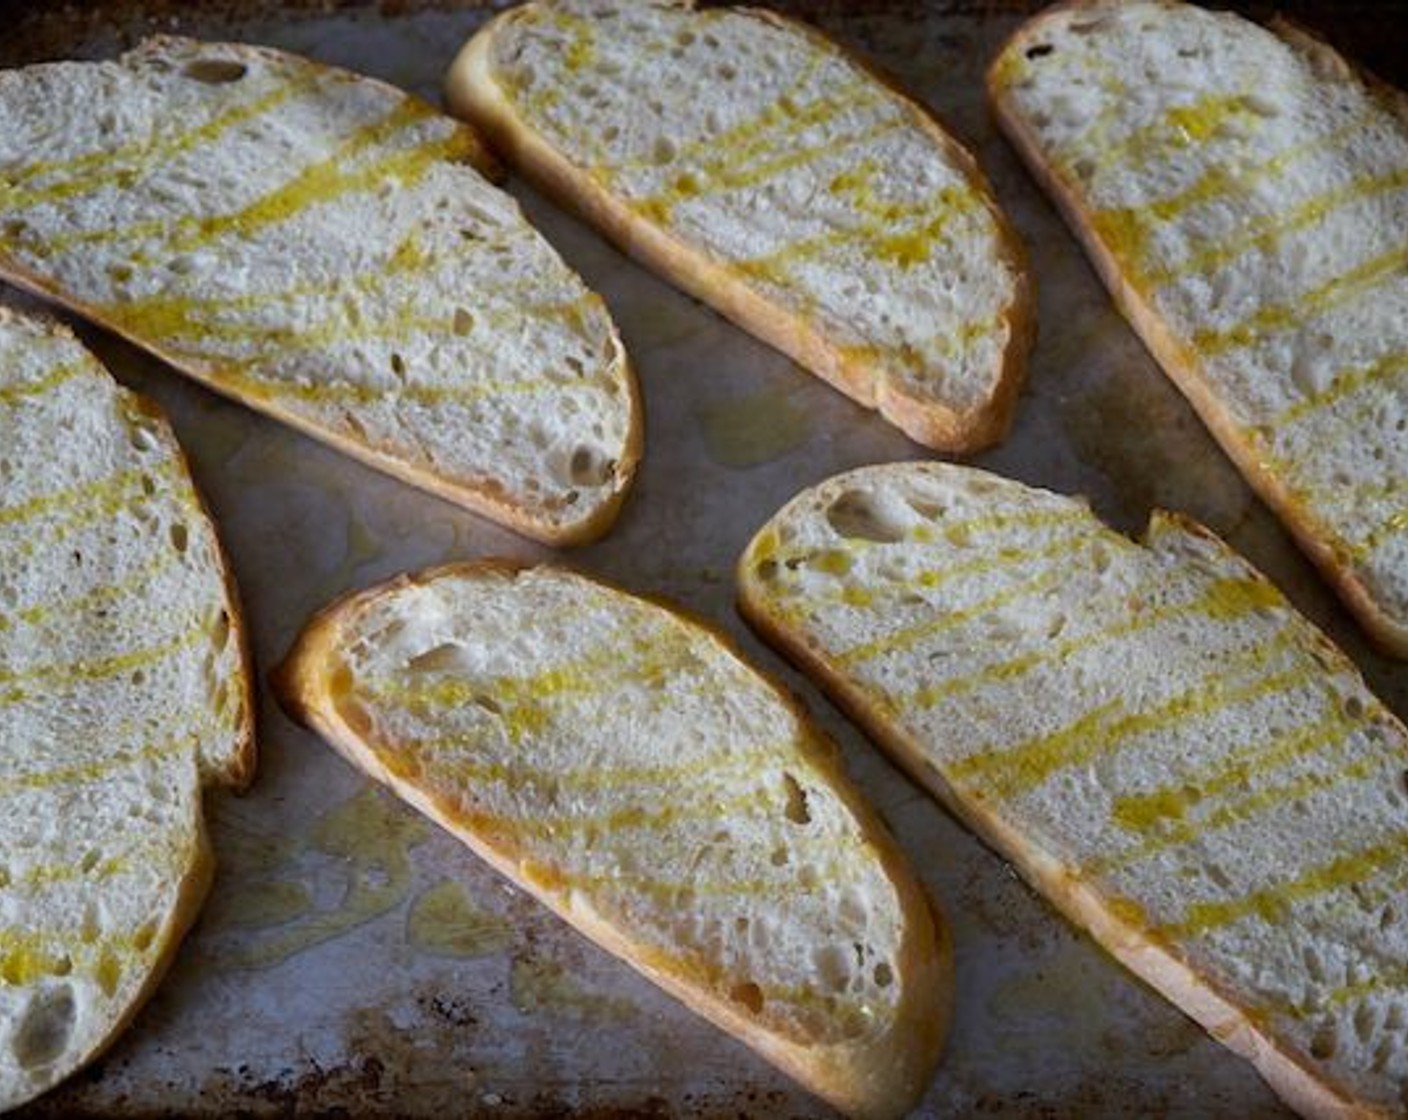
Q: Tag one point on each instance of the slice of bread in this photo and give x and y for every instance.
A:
(124, 689)
(626, 767)
(321, 247)
(760, 167)
(1244, 193)
(1156, 739)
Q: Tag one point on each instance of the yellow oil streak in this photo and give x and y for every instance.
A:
(1225, 600)
(86, 772)
(71, 498)
(438, 755)
(887, 594)
(23, 684)
(1332, 293)
(749, 136)
(883, 237)
(522, 704)
(1346, 383)
(1180, 127)
(323, 181)
(12, 394)
(1110, 727)
(727, 175)
(910, 636)
(1268, 231)
(101, 595)
(1175, 830)
(1127, 230)
(138, 154)
(1272, 904)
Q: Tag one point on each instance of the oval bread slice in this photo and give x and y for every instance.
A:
(123, 691)
(757, 165)
(1244, 194)
(1157, 740)
(627, 768)
(321, 247)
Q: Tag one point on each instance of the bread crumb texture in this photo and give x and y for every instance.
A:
(1155, 722)
(625, 765)
(319, 245)
(777, 157)
(1253, 192)
(121, 690)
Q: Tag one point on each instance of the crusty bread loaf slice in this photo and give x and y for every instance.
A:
(757, 165)
(1157, 740)
(123, 691)
(1244, 193)
(321, 247)
(626, 767)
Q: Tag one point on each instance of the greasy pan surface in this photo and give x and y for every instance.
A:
(351, 958)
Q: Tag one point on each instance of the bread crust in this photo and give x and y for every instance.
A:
(1155, 959)
(482, 496)
(1182, 363)
(862, 1081)
(473, 92)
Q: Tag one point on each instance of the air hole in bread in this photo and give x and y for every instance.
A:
(148, 485)
(1089, 26)
(765, 569)
(220, 632)
(15, 228)
(1040, 50)
(749, 995)
(463, 321)
(664, 150)
(445, 656)
(89, 861)
(121, 272)
(727, 72)
(779, 857)
(1353, 707)
(740, 924)
(586, 468)
(44, 1031)
(180, 536)
(855, 516)
(797, 810)
(142, 438)
(398, 365)
(215, 71)
(1324, 1044)
(138, 676)
(1364, 1018)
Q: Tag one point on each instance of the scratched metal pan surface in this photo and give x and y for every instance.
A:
(353, 958)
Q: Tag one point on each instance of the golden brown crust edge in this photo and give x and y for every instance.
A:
(845, 1076)
(1152, 959)
(1182, 364)
(473, 93)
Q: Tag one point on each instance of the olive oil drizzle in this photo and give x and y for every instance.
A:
(1008, 770)
(11, 395)
(1225, 599)
(15, 683)
(1337, 290)
(314, 184)
(135, 156)
(1272, 903)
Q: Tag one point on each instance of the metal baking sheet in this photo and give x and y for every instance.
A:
(353, 959)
